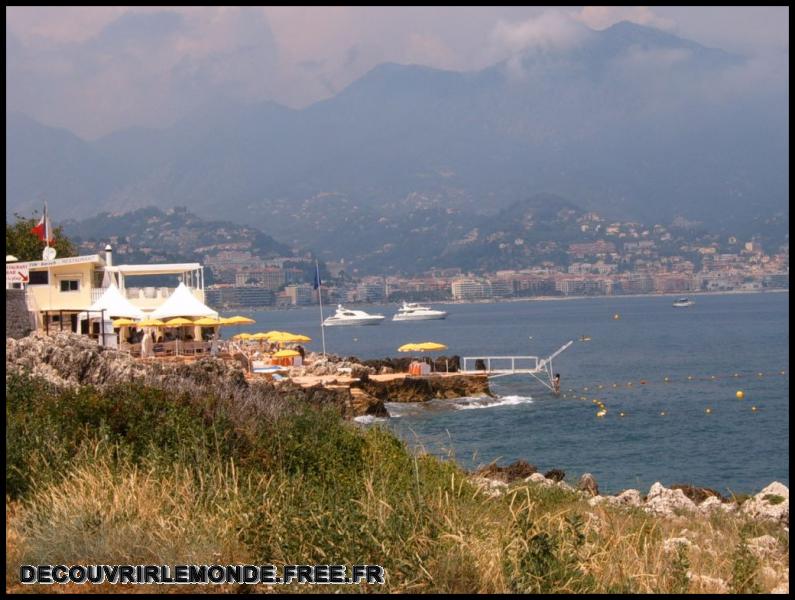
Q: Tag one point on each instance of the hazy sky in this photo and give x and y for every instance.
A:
(94, 70)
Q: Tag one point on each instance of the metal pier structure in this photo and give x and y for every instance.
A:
(500, 366)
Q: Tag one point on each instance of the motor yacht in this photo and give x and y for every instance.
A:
(345, 316)
(682, 302)
(414, 312)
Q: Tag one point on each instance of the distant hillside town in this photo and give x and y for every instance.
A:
(245, 268)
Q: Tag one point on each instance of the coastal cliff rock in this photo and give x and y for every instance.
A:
(588, 484)
(69, 361)
(772, 503)
(520, 469)
(422, 389)
(664, 501)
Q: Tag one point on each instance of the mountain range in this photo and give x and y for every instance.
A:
(631, 122)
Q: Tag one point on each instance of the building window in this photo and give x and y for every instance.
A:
(39, 278)
(70, 285)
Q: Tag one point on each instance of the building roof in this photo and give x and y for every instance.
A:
(115, 305)
(182, 303)
(71, 260)
(154, 269)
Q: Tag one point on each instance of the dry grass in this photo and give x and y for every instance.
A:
(312, 489)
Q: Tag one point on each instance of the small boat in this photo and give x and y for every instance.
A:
(682, 302)
(345, 316)
(585, 338)
(411, 311)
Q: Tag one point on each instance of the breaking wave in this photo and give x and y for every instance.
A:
(473, 403)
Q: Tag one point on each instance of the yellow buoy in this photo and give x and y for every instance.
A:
(616, 317)
(621, 414)
(753, 409)
(740, 394)
(708, 411)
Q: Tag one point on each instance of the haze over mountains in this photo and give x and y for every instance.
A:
(630, 122)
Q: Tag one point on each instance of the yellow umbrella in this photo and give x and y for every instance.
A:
(207, 322)
(123, 322)
(151, 323)
(408, 348)
(226, 321)
(259, 336)
(285, 353)
(242, 336)
(431, 346)
(178, 322)
(238, 320)
(286, 336)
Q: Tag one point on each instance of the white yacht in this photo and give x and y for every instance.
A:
(682, 302)
(345, 316)
(411, 311)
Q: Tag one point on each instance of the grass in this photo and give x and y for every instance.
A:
(139, 475)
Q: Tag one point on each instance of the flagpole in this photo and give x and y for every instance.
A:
(320, 300)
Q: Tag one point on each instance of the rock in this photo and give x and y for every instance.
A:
(422, 389)
(597, 500)
(781, 588)
(629, 498)
(519, 469)
(385, 370)
(555, 475)
(672, 544)
(663, 501)
(772, 504)
(588, 484)
(697, 494)
(538, 478)
(762, 546)
(565, 486)
(703, 583)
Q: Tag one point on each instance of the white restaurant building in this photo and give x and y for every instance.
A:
(58, 292)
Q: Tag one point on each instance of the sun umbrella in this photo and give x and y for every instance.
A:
(431, 346)
(408, 348)
(238, 320)
(259, 336)
(178, 322)
(151, 323)
(285, 353)
(123, 322)
(242, 336)
(285, 336)
(207, 322)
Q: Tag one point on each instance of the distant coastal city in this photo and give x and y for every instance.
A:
(621, 258)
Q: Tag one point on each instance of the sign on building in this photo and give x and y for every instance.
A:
(17, 273)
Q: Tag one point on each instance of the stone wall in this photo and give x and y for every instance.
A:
(18, 321)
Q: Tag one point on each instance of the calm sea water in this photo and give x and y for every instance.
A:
(731, 449)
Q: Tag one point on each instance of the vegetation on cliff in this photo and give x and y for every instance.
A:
(138, 474)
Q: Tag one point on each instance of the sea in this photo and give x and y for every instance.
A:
(667, 377)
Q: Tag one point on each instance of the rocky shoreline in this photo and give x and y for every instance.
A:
(67, 360)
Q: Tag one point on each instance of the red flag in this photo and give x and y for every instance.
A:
(40, 230)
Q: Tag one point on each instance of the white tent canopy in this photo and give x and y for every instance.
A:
(182, 303)
(115, 306)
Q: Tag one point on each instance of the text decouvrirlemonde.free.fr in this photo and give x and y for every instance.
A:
(200, 574)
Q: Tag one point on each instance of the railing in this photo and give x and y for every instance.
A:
(502, 360)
